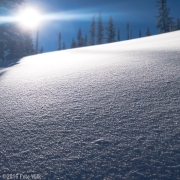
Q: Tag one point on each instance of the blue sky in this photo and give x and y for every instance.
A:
(139, 13)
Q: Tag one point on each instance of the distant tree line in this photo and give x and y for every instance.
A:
(96, 34)
(165, 23)
(16, 42)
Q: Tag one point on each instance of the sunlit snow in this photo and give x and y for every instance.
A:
(102, 112)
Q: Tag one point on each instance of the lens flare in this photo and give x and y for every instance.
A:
(29, 18)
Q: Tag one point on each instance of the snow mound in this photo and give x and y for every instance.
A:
(103, 112)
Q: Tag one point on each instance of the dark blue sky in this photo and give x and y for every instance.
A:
(139, 13)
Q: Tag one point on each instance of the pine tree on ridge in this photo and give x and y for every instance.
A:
(92, 32)
(100, 30)
(111, 31)
(164, 19)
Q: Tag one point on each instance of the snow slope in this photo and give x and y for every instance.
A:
(103, 112)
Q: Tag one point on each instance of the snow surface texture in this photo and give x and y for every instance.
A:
(103, 112)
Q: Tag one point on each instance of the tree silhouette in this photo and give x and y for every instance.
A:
(100, 30)
(73, 44)
(148, 33)
(163, 17)
(110, 30)
(80, 40)
(92, 32)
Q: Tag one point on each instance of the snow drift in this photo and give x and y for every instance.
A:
(103, 112)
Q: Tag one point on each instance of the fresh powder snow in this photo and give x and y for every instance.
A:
(104, 112)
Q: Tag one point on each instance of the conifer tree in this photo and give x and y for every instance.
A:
(80, 40)
(118, 35)
(92, 32)
(110, 30)
(73, 44)
(100, 30)
(59, 41)
(140, 35)
(148, 33)
(163, 16)
(127, 30)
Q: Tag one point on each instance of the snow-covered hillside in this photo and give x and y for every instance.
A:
(103, 112)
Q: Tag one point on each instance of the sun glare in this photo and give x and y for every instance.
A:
(29, 18)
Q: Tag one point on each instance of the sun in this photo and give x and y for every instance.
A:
(29, 18)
